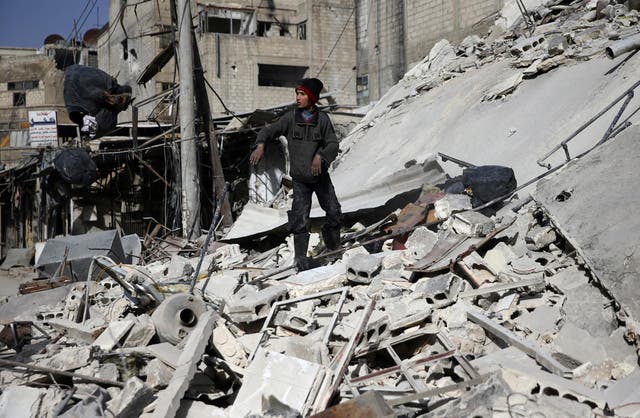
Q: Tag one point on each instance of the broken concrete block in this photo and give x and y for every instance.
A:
(362, 268)
(18, 257)
(21, 402)
(249, 305)
(299, 319)
(316, 280)
(178, 268)
(141, 333)
(540, 321)
(525, 45)
(472, 223)
(177, 316)
(526, 265)
(404, 312)
(165, 352)
(222, 284)
(74, 303)
(499, 257)
(132, 399)
(590, 310)
(229, 255)
(441, 55)
(158, 374)
(111, 336)
(76, 331)
(439, 291)
(451, 203)
(557, 45)
(504, 88)
(288, 379)
(579, 344)
(225, 343)
(420, 242)
(377, 328)
(540, 237)
(70, 358)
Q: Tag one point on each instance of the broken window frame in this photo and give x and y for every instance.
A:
(290, 75)
(241, 21)
(19, 99)
(362, 88)
(23, 85)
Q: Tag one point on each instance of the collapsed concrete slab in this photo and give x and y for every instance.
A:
(289, 379)
(589, 202)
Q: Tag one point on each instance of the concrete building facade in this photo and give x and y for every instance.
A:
(32, 79)
(252, 52)
(392, 36)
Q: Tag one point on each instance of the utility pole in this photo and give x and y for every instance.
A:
(190, 193)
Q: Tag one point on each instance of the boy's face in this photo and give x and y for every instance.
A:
(302, 100)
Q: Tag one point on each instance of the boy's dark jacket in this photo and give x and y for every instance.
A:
(305, 141)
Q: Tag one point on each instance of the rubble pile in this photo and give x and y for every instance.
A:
(453, 313)
(450, 306)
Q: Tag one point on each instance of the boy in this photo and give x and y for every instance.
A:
(312, 146)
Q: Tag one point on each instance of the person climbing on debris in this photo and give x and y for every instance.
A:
(313, 145)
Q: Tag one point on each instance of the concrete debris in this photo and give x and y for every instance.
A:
(430, 307)
(361, 268)
(18, 257)
(288, 379)
(504, 88)
(471, 223)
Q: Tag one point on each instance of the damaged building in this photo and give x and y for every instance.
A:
(487, 262)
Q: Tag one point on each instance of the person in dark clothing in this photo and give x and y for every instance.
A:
(313, 145)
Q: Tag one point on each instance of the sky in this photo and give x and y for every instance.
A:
(25, 23)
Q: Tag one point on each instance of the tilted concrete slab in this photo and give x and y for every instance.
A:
(597, 213)
(289, 379)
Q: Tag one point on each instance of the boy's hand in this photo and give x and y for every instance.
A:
(316, 165)
(256, 155)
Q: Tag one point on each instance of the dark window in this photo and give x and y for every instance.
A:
(23, 85)
(362, 89)
(279, 75)
(19, 99)
(92, 59)
(223, 25)
(302, 31)
(263, 28)
(166, 38)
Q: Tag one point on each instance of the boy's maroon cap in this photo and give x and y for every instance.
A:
(312, 87)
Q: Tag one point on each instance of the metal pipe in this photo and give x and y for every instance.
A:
(626, 45)
(586, 124)
(613, 124)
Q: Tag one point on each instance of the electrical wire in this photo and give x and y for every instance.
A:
(337, 41)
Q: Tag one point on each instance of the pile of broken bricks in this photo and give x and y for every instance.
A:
(437, 310)
(461, 315)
